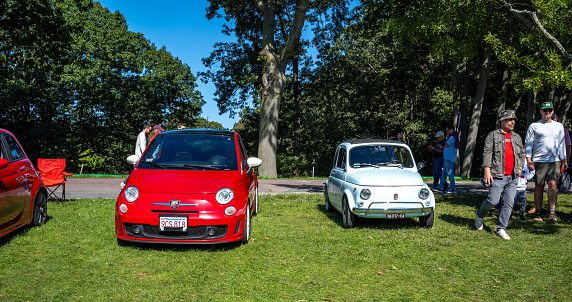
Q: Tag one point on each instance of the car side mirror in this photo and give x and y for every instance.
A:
(3, 163)
(253, 162)
(420, 166)
(133, 159)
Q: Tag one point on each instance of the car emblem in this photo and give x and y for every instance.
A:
(395, 196)
(174, 204)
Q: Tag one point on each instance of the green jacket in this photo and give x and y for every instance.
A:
(493, 154)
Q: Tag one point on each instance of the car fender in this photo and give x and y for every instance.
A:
(349, 197)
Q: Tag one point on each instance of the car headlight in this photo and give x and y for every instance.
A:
(224, 195)
(424, 193)
(365, 194)
(131, 193)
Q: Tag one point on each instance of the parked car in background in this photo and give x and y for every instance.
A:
(377, 179)
(189, 186)
(23, 197)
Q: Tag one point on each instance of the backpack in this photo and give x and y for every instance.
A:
(564, 181)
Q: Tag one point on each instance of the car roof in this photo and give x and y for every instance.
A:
(372, 141)
(201, 131)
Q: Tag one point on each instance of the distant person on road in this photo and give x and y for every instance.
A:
(141, 143)
(437, 149)
(180, 126)
(397, 135)
(503, 157)
(449, 158)
(546, 154)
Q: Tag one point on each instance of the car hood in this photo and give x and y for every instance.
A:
(184, 181)
(385, 177)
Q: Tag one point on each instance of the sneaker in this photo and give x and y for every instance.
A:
(521, 218)
(436, 190)
(538, 217)
(502, 233)
(552, 217)
(450, 192)
(478, 222)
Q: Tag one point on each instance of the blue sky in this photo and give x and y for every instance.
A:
(181, 26)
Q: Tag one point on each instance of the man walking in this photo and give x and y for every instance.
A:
(546, 154)
(503, 157)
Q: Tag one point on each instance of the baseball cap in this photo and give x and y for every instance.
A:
(439, 133)
(546, 105)
(158, 127)
(507, 115)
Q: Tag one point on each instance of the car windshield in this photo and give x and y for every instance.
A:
(380, 155)
(193, 151)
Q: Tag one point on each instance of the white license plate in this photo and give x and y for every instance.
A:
(395, 216)
(172, 222)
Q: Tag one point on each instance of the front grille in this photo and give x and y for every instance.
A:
(192, 233)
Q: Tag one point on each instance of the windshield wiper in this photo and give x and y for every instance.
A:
(201, 167)
(154, 164)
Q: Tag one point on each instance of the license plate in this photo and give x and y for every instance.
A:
(395, 216)
(169, 222)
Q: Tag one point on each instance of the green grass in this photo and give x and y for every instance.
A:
(298, 253)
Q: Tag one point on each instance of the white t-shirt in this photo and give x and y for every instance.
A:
(545, 142)
(141, 144)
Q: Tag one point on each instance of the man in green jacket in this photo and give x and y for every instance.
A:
(503, 158)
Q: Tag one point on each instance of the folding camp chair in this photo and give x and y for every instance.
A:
(53, 175)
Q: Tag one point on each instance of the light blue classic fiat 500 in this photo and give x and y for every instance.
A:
(378, 179)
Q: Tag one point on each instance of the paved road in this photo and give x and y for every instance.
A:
(110, 188)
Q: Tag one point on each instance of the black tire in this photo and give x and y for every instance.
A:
(40, 209)
(427, 221)
(247, 226)
(255, 208)
(348, 217)
(329, 207)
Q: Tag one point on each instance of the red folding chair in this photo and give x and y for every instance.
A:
(53, 175)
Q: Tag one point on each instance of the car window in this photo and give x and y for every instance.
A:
(243, 154)
(341, 162)
(191, 151)
(2, 152)
(14, 148)
(380, 155)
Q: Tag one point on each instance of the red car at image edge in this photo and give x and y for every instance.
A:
(189, 187)
(23, 196)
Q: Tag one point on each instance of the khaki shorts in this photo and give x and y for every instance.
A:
(546, 172)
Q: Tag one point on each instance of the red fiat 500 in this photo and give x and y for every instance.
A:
(189, 186)
(23, 198)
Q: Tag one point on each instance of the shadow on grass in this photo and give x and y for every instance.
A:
(22, 231)
(530, 226)
(371, 223)
(181, 247)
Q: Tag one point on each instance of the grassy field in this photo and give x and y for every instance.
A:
(298, 253)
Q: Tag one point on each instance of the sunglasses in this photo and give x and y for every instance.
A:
(547, 110)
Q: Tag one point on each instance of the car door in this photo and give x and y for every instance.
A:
(337, 177)
(14, 195)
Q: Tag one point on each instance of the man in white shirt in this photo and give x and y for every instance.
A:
(141, 143)
(546, 154)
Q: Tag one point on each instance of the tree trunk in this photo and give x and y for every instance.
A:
(273, 79)
(476, 116)
(504, 92)
(463, 108)
(530, 115)
(297, 131)
(565, 102)
(454, 90)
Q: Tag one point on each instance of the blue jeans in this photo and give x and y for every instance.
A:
(520, 197)
(448, 171)
(507, 187)
(437, 170)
